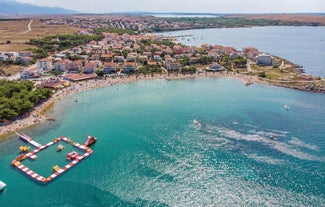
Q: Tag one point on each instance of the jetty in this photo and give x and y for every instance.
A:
(17, 162)
(28, 139)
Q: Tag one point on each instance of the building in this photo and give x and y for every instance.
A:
(89, 68)
(106, 57)
(45, 64)
(172, 64)
(156, 58)
(75, 66)
(30, 73)
(3, 57)
(79, 77)
(25, 53)
(264, 59)
(62, 65)
(129, 67)
(119, 59)
(55, 84)
(110, 67)
(214, 67)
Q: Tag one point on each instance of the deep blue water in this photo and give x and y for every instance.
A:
(150, 153)
(302, 45)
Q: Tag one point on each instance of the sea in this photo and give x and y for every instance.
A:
(304, 45)
(194, 142)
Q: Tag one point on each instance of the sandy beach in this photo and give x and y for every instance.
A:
(38, 114)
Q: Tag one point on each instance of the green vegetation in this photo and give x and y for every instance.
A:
(17, 98)
(231, 22)
(61, 42)
(100, 73)
(262, 74)
(149, 69)
(240, 62)
(157, 42)
(38, 53)
(6, 63)
(205, 59)
(99, 31)
(190, 70)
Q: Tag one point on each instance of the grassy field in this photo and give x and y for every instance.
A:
(9, 30)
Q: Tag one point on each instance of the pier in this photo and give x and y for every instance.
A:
(28, 139)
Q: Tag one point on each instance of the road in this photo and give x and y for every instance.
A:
(29, 28)
(249, 69)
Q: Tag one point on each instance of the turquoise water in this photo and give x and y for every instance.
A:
(302, 45)
(150, 153)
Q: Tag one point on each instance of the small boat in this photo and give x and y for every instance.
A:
(2, 186)
(248, 83)
(272, 137)
(76, 100)
(196, 122)
(286, 107)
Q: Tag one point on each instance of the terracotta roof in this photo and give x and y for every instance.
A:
(79, 77)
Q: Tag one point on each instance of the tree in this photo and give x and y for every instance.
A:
(100, 73)
(17, 98)
(262, 74)
(185, 61)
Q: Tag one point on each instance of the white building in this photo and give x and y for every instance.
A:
(172, 64)
(45, 64)
(264, 59)
(62, 65)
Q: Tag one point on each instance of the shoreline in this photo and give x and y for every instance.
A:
(38, 115)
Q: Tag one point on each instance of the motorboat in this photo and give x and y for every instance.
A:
(2, 186)
(196, 122)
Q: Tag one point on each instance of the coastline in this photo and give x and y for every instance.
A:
(38, 115)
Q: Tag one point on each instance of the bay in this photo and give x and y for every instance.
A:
(248, 151)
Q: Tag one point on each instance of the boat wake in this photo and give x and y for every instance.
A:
(271, 140)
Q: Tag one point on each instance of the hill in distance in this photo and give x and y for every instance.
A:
(14, 7)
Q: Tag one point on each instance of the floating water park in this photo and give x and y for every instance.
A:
(73, 157)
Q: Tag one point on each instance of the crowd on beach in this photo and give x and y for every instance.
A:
(37, 115)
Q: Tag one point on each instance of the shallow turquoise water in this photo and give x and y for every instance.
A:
(150, 153)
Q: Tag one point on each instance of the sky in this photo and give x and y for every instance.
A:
(211, 6)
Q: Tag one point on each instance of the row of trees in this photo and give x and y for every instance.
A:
(120, 31)
(62, 42)
(17, 98)
(232, 22)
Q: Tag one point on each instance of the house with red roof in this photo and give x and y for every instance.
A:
(110, 67)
